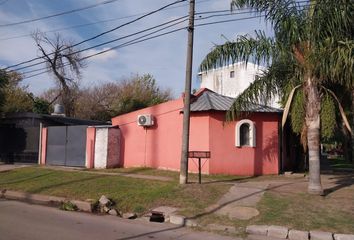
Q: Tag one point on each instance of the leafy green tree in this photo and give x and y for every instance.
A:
(17, 98)
(111, 99)
(311, 49)
(138, 93)
(3, 81)
(40, 105)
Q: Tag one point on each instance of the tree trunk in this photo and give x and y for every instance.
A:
(68, 102)
(313, 106)
(66, 96)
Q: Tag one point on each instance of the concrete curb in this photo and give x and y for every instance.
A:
(281, 232)
(43, 199)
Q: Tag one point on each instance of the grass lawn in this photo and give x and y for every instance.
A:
(193, 177)
(340, 162)
(297, 211)
(130, 194)
(306, 212)
(294, 208)
(289, 206)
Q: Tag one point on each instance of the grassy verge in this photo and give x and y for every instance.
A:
(340, 162)
(193, 177)
(286, 207)
(306, 212)
(301, 211)
(131, 194)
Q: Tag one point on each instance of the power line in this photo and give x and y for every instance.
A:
(105, 32)
(35, 75)
(142, 39)
(151, 28)
(129, 43)
(98, 45)
(139, 40)
(58, 14)
(229, 20)
(114, 40)
(182, 19)
(94, 23)
(174, 23)
(148, 29)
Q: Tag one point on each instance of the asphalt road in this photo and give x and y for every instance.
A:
(22, 221)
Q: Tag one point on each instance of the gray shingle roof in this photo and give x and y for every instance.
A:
(210, 100)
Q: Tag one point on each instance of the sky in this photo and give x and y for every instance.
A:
(163, 57)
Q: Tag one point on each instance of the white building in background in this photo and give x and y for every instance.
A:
(233, 79)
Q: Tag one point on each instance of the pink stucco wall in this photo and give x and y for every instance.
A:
(160, 146)
(90, 146)
(228, 159)
(199, 139)
(157, 146)
(44, 145)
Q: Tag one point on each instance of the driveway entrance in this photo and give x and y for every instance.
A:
(66, 146)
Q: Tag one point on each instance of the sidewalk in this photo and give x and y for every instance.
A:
(8, 167)
(132, 175)
(240, 202)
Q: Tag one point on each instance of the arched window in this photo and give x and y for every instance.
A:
(245, 133)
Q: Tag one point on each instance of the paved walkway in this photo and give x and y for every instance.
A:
(8, 167)
(241, 200)
(132, 175)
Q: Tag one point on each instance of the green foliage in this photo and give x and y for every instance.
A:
(328, 117)
(312, 42)
(3, 82)
(138, 93)
(259, 49)
(17, 99)
(297, 112)
(68, 206)
(111, 99)
(139, 209)
(131, 194)
(41, 106)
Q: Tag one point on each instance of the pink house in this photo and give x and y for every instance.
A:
(248, 146)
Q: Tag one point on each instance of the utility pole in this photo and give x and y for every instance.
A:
(183, 177)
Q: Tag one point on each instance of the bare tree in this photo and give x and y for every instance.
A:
(64, 62)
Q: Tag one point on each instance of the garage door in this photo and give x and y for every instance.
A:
(66, 146)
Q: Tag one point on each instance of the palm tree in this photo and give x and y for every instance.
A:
(311, 49)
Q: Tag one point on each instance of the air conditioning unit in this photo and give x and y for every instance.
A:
(145, 120)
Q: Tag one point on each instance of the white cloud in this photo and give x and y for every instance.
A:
(163, 57)
(101, 57)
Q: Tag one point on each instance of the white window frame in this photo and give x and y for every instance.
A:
(252, 134)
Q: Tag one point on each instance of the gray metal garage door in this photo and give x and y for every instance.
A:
(66, 146)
